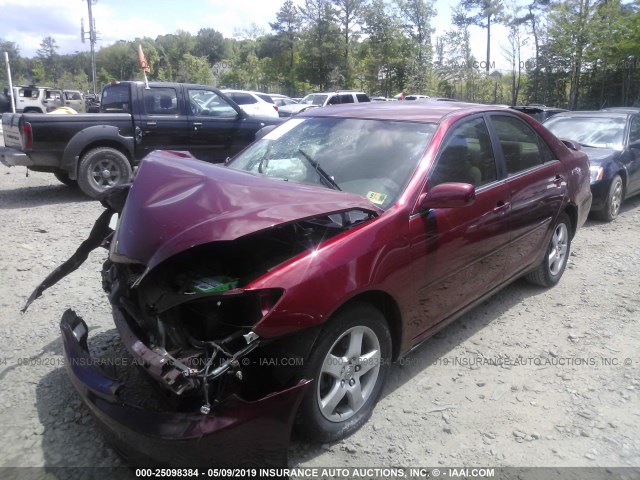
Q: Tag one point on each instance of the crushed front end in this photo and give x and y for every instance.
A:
(186, 310)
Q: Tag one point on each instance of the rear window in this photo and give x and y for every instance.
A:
(362, 97)
(266, 98)
(73, 95)
(116, 98)
(242, 98)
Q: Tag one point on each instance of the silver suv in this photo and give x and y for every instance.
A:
(322, 99)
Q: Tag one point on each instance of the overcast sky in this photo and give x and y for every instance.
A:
(27, 22)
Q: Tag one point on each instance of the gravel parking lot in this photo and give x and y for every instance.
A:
(532, 377)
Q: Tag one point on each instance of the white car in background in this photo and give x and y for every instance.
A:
(323, 99)
(253, 103)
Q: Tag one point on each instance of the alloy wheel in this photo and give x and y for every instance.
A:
(559, 248)
(348, 375)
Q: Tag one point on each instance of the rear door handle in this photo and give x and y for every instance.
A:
(152, 124)
(558, 180)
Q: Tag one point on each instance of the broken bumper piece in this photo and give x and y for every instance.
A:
(237, 433)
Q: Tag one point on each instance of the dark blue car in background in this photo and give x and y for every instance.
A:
(611, 139)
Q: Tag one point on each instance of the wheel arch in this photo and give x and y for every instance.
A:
(572, 212)
(389, 308)
(623, 175)
(94, 137)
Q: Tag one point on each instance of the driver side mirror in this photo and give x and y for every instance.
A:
(448, 195)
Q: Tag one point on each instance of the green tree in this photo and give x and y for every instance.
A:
(515, 19)
(418, 15)
(210, 43)
(349, 14)
(47, 53)
(321, 43)
(385, 49)
(18, 64)
(193, 69)
(287, 27)
(570, 31)
(482, 13)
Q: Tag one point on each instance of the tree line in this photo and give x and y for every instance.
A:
(585, 53)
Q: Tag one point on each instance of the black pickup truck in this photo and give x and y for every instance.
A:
(98, 151)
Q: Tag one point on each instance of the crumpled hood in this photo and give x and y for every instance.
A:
(177, 202)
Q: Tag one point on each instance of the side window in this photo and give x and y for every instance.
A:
(521, 146)
(362, 97)
(160, 101)
(467, 156)
(346, 98)
(334, 100)
(207, 103)
(634, 131)
(115, 98)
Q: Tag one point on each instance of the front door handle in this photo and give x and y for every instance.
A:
(501, 208)
(558, 180)
(152, 124)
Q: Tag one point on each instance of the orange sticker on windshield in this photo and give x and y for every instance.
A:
(377, 198)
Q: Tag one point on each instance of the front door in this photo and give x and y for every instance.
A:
(459, 253)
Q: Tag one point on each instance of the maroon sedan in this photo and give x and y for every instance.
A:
(277, 289)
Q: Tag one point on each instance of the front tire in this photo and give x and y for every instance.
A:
(556, 257)
(349, 367)
(103, 168)
(614, 201)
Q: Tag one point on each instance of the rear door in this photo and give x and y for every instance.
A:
(162, 121)
(459, 253)
(213, 125)
(536, 183)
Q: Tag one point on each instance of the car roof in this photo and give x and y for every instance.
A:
(621, 109)
(538, 108)
(594, 113)
(161, 84)
(426, 112)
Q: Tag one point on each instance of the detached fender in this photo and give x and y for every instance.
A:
(93, 135)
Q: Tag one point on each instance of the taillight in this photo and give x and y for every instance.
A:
(275, 106)
(27, 135)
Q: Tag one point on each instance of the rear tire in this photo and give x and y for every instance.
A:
(63, 177)
(103, 168)
(349, 366)
(556, 257)
(614, 201)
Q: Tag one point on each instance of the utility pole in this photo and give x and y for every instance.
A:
(92, 40)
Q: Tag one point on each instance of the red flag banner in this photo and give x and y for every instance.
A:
(142, 60)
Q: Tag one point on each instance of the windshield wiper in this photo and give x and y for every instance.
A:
(327, 180)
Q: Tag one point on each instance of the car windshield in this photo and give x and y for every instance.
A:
(372, 158)
(314, 99)
(600, 131)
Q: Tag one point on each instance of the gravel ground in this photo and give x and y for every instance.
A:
(461, 399)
